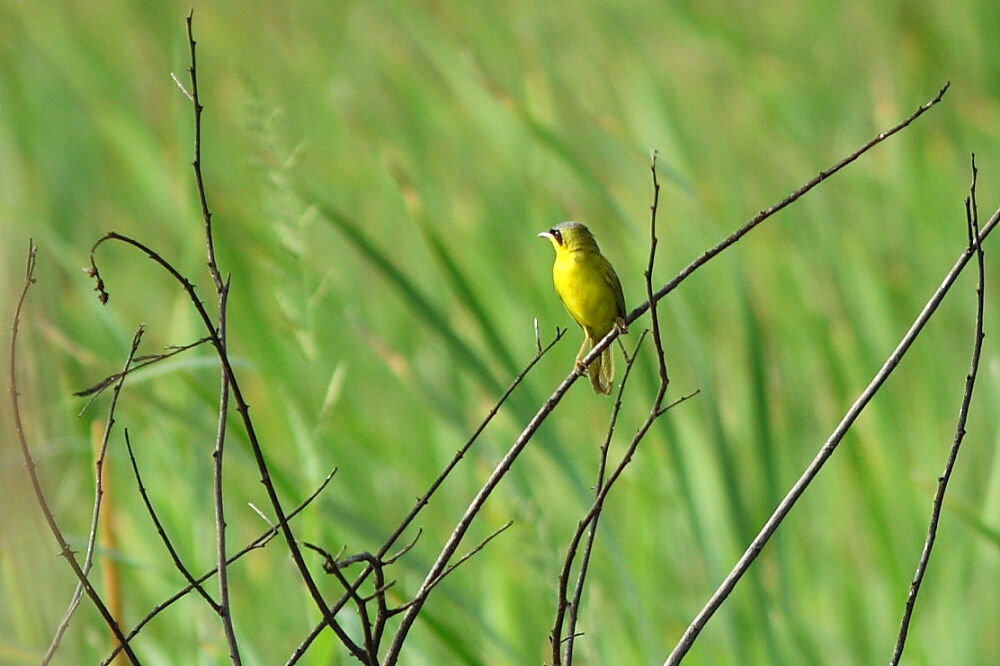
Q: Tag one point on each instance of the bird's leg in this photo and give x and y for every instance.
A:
(620, 324)
(584, 348)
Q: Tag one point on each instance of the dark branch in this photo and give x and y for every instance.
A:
(972, 222)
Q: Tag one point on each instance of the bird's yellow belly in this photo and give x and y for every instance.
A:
(586, 293)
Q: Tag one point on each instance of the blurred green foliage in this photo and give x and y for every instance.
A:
(443, 136)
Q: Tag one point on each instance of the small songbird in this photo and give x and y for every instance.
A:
(591, 292)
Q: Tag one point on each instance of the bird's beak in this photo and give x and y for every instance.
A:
(545, 234)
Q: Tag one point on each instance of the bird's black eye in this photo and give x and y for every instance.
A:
(557, 235)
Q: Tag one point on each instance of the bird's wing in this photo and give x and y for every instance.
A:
(616, 288)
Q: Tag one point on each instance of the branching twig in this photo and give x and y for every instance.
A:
(178, 563)
(102, 449)
(332, 567)
(503, 467)
(206, 213)
(139, 362)
(444, 574)
(222, 292)
(661, 358)
(972, 220)
(564, 606)
(259, 542)
(29, 462)
(558, 642)
(425, 498)
(786, 504)
(243, 408)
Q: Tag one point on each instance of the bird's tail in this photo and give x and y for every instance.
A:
(602, 372)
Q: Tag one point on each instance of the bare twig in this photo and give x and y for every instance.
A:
(206, 213)
(178, 563)
(444, 574)
(224, 609)
(259, 542)
(332, 567)
(972, 220)
(564, 606)
(139, 362)
(222, 292)
(29, 462)
(102, 448)
(786, 504)
(763, 215)
(661, 358)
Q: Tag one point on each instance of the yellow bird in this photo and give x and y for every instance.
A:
(591, 292)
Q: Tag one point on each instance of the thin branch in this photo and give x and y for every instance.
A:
(786, 504)
(139, 362)
(102, 448)
(224, 609)
(423, 500)
(972, 220)
(751, 224)
(502, 467)
(29, 462)
(464, 558)
(331, 566)
(206, 213)
(563, 605)
(661, 358)
(460, 454)
(259, 542)
(222, 291)
(178, 563)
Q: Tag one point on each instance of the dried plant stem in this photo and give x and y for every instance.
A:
(972, 219)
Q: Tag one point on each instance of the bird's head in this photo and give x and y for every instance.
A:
(570, 236)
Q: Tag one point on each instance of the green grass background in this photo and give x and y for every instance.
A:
(448, 134)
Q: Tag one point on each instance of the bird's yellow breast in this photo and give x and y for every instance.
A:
(582, 281)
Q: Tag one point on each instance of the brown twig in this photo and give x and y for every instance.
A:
(222, 292)
(565, 607)
(464, 558)
(102, 449)
(763, 215)
(503, 467)
(139, 362)
(259, 542)
(972, 221)
(331, 566)
(206, 212)
(661, 359)
(174, 555)
(799, 487)
(29, 462)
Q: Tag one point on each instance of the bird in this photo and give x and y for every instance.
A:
(592, 294)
